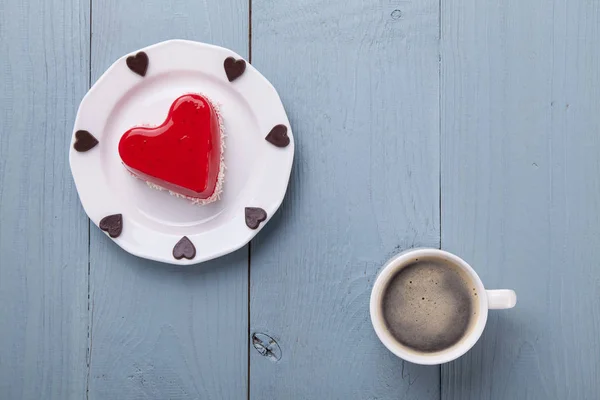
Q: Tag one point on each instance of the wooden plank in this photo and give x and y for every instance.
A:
(159, 331)
(44, 68)
(359, 80)
(520, 190)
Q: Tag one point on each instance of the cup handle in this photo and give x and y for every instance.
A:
(501, 299)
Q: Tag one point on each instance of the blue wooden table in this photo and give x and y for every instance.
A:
(466, 124)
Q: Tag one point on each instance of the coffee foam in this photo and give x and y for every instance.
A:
(428, 306)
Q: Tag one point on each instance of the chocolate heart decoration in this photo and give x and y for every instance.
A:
(254, 216)
(234, 68)
(84, 141)
(113, 224)
(138, 63)
(184, 248)
(278, 136)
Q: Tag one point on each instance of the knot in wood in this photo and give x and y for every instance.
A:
(266, 346)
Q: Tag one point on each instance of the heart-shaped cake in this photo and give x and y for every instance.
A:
(184, 154)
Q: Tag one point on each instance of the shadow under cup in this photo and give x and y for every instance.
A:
(428, 306)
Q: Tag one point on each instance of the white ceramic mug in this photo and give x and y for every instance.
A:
(488, 299)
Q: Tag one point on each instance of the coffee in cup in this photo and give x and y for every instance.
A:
(429, 305)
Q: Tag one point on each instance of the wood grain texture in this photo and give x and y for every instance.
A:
(43, 231)
(520, 191)
(158, 331)
(359, 80)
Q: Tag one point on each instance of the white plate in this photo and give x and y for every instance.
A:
(257, 172)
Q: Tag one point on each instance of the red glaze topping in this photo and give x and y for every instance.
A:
(183, 154)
